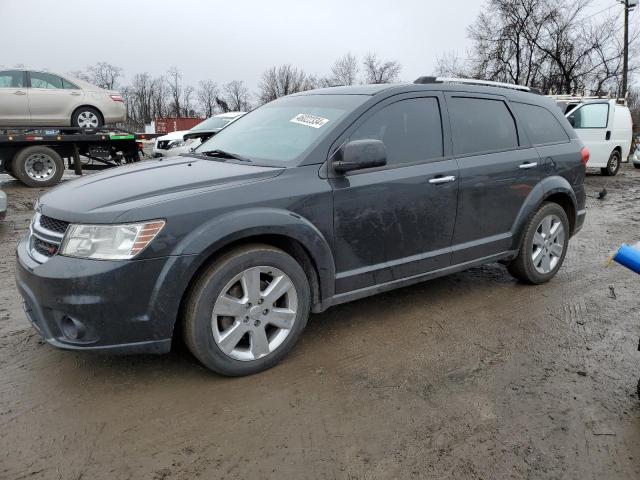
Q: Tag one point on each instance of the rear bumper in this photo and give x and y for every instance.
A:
(102, 306)
(114, 112)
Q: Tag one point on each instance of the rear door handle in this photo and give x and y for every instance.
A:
(528, 165)
(19, 92)
(439, 180)
(76, 94)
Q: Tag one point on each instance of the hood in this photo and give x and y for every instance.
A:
(103, 197)
(173, 135)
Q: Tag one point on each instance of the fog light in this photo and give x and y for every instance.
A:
(71, 328)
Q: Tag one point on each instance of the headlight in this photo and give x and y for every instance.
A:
(109, 242)
(176, 143)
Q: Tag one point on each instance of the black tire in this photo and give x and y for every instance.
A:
(50, 164)
(197, 321)
(637, 165)
(523, 268)
(613, 165)
(82, 112)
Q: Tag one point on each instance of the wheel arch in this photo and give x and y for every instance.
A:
(279, 228)
(554, 189)
(86, 105)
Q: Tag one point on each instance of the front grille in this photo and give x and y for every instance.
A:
(58, 226)
(44, 248)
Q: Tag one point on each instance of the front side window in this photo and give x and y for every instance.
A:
(12, 79)
(411, 130)
(45, 80)
(280, 132)
(481, 125)
(595, 115)
(542, 126)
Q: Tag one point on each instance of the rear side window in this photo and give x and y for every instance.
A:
(411, 130)
(481, 125)
(595, 115)
(12, 79)
(542, 126)
(45, 80)
(68, 85)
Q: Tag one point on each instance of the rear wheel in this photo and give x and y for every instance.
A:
(543, 245)
(37, 166)
(86, 117)
(247, 310)
(613, 165)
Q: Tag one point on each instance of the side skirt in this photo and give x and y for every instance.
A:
(405, 282)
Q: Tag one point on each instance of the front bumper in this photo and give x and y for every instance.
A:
(104, 306)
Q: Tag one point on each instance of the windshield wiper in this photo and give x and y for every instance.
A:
(224, 154)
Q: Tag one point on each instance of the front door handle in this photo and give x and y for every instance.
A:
(439, 180)
(528, 165)
(76, 94)
(608, 135)
(19, 92)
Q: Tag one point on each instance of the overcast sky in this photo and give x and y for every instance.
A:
(233, 39)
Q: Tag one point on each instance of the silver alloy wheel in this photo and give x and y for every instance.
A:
(548, 244)
(255, 313)
(88, 119)
(613, 163)
(40, 167)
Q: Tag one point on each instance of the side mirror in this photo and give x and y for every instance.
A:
(360, 154)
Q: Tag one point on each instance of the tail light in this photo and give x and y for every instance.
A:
(117, 98)
(585, 156)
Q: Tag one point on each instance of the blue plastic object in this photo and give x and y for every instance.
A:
(629, 257)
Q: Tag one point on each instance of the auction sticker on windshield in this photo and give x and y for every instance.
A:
(309, 120)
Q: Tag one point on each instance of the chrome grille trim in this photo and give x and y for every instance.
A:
(37, 231)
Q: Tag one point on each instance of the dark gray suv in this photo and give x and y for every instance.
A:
(312, 200)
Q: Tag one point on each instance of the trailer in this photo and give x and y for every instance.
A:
(36, 156)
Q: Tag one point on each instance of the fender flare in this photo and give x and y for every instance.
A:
(216, 234)
(544, 189)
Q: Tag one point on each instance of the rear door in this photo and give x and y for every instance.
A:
(14, 106)
(498, 170)
(52, 99)
(397, 221)
(591, 121)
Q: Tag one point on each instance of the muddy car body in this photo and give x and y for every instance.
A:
(307, 202)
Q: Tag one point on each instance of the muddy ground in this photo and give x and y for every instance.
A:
(470, 376)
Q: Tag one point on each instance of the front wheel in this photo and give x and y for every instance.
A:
(37, 166)
(543, 245)
(613, 165)
(247, 310)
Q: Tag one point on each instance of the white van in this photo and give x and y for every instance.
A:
(605, 127)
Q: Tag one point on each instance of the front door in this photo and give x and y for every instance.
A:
(498, 170)
(396, 221)
(52, 99)
(14, 106)
(591, 123)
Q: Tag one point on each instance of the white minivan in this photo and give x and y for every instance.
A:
(605, 127)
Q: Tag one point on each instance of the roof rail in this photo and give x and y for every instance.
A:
(583, 98)
(473, 81)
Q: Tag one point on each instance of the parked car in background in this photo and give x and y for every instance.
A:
(201, 132)
(312, 200)
(605, 127)
(164, 143)
(31, 97)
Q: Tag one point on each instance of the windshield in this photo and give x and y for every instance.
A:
(281, 131)
(212, 123)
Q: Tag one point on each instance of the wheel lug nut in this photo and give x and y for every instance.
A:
(265, 311)
(260, 301)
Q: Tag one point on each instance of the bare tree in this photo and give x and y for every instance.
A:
(378, 71)
(175, 89)
(104, 75)
(207, 93)
(236, 97)
(451, 65)
(187, 97)
(284, 80)
(344, 71)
